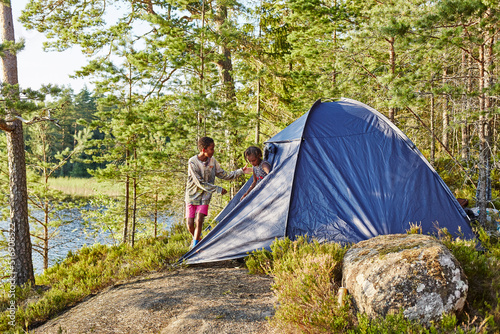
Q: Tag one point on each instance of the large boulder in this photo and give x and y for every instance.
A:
(413, 272)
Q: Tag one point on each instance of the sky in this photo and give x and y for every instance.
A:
(37, 67)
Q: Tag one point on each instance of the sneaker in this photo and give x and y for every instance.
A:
(193, 243)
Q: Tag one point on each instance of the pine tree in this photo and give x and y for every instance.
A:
(46, 203)
(468, 29)
(21, 262)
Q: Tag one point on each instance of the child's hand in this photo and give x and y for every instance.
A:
(247, 170)
(223, 192)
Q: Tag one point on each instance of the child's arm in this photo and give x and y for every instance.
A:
(266, 167)
(250, 188)
(222, 174)
(200, 182)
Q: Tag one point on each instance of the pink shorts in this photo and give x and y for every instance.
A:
(191, 210)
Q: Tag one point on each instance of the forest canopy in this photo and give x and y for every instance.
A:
(168, 72)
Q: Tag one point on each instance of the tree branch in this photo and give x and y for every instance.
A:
(444, 147)
(365, 69)
(38, 119)
(61, 163)
(4, 126)
(36, 236)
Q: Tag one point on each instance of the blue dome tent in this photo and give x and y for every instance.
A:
(341, 173)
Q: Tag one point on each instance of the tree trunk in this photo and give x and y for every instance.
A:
(22, 271)
(433, 141)
(127, 198)
(19, 227)
(392, 61)
(257, 118)
(201, 116)
(483, 144)
(156, 215)
(446, 116)
(134, 210)
(225, 69)
(224, 64)
(465, 99)
(465, 140)
(487, 120)
(46, 243)
(134, 204)
(488, 101)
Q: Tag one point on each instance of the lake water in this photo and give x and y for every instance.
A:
(73, 236)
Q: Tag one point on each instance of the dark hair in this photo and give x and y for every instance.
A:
(204, 142)
(252, 150)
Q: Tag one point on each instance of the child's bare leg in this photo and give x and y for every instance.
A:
(190, 225)
(200, 218)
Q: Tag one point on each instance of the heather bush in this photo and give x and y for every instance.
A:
(307, 276)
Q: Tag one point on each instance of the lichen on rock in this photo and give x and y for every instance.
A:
(414, 273)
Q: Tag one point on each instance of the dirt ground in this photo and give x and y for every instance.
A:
(217, 298)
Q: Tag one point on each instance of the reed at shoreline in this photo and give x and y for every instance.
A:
(84, 187)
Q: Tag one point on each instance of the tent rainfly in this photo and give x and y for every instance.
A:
(340, 173)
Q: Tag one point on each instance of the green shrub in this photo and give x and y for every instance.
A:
(481, 265)
(397, 323)
(306, 280)
(307, 276)
(259, 262)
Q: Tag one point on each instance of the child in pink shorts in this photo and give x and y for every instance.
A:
(202, 170)
(192, 210)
